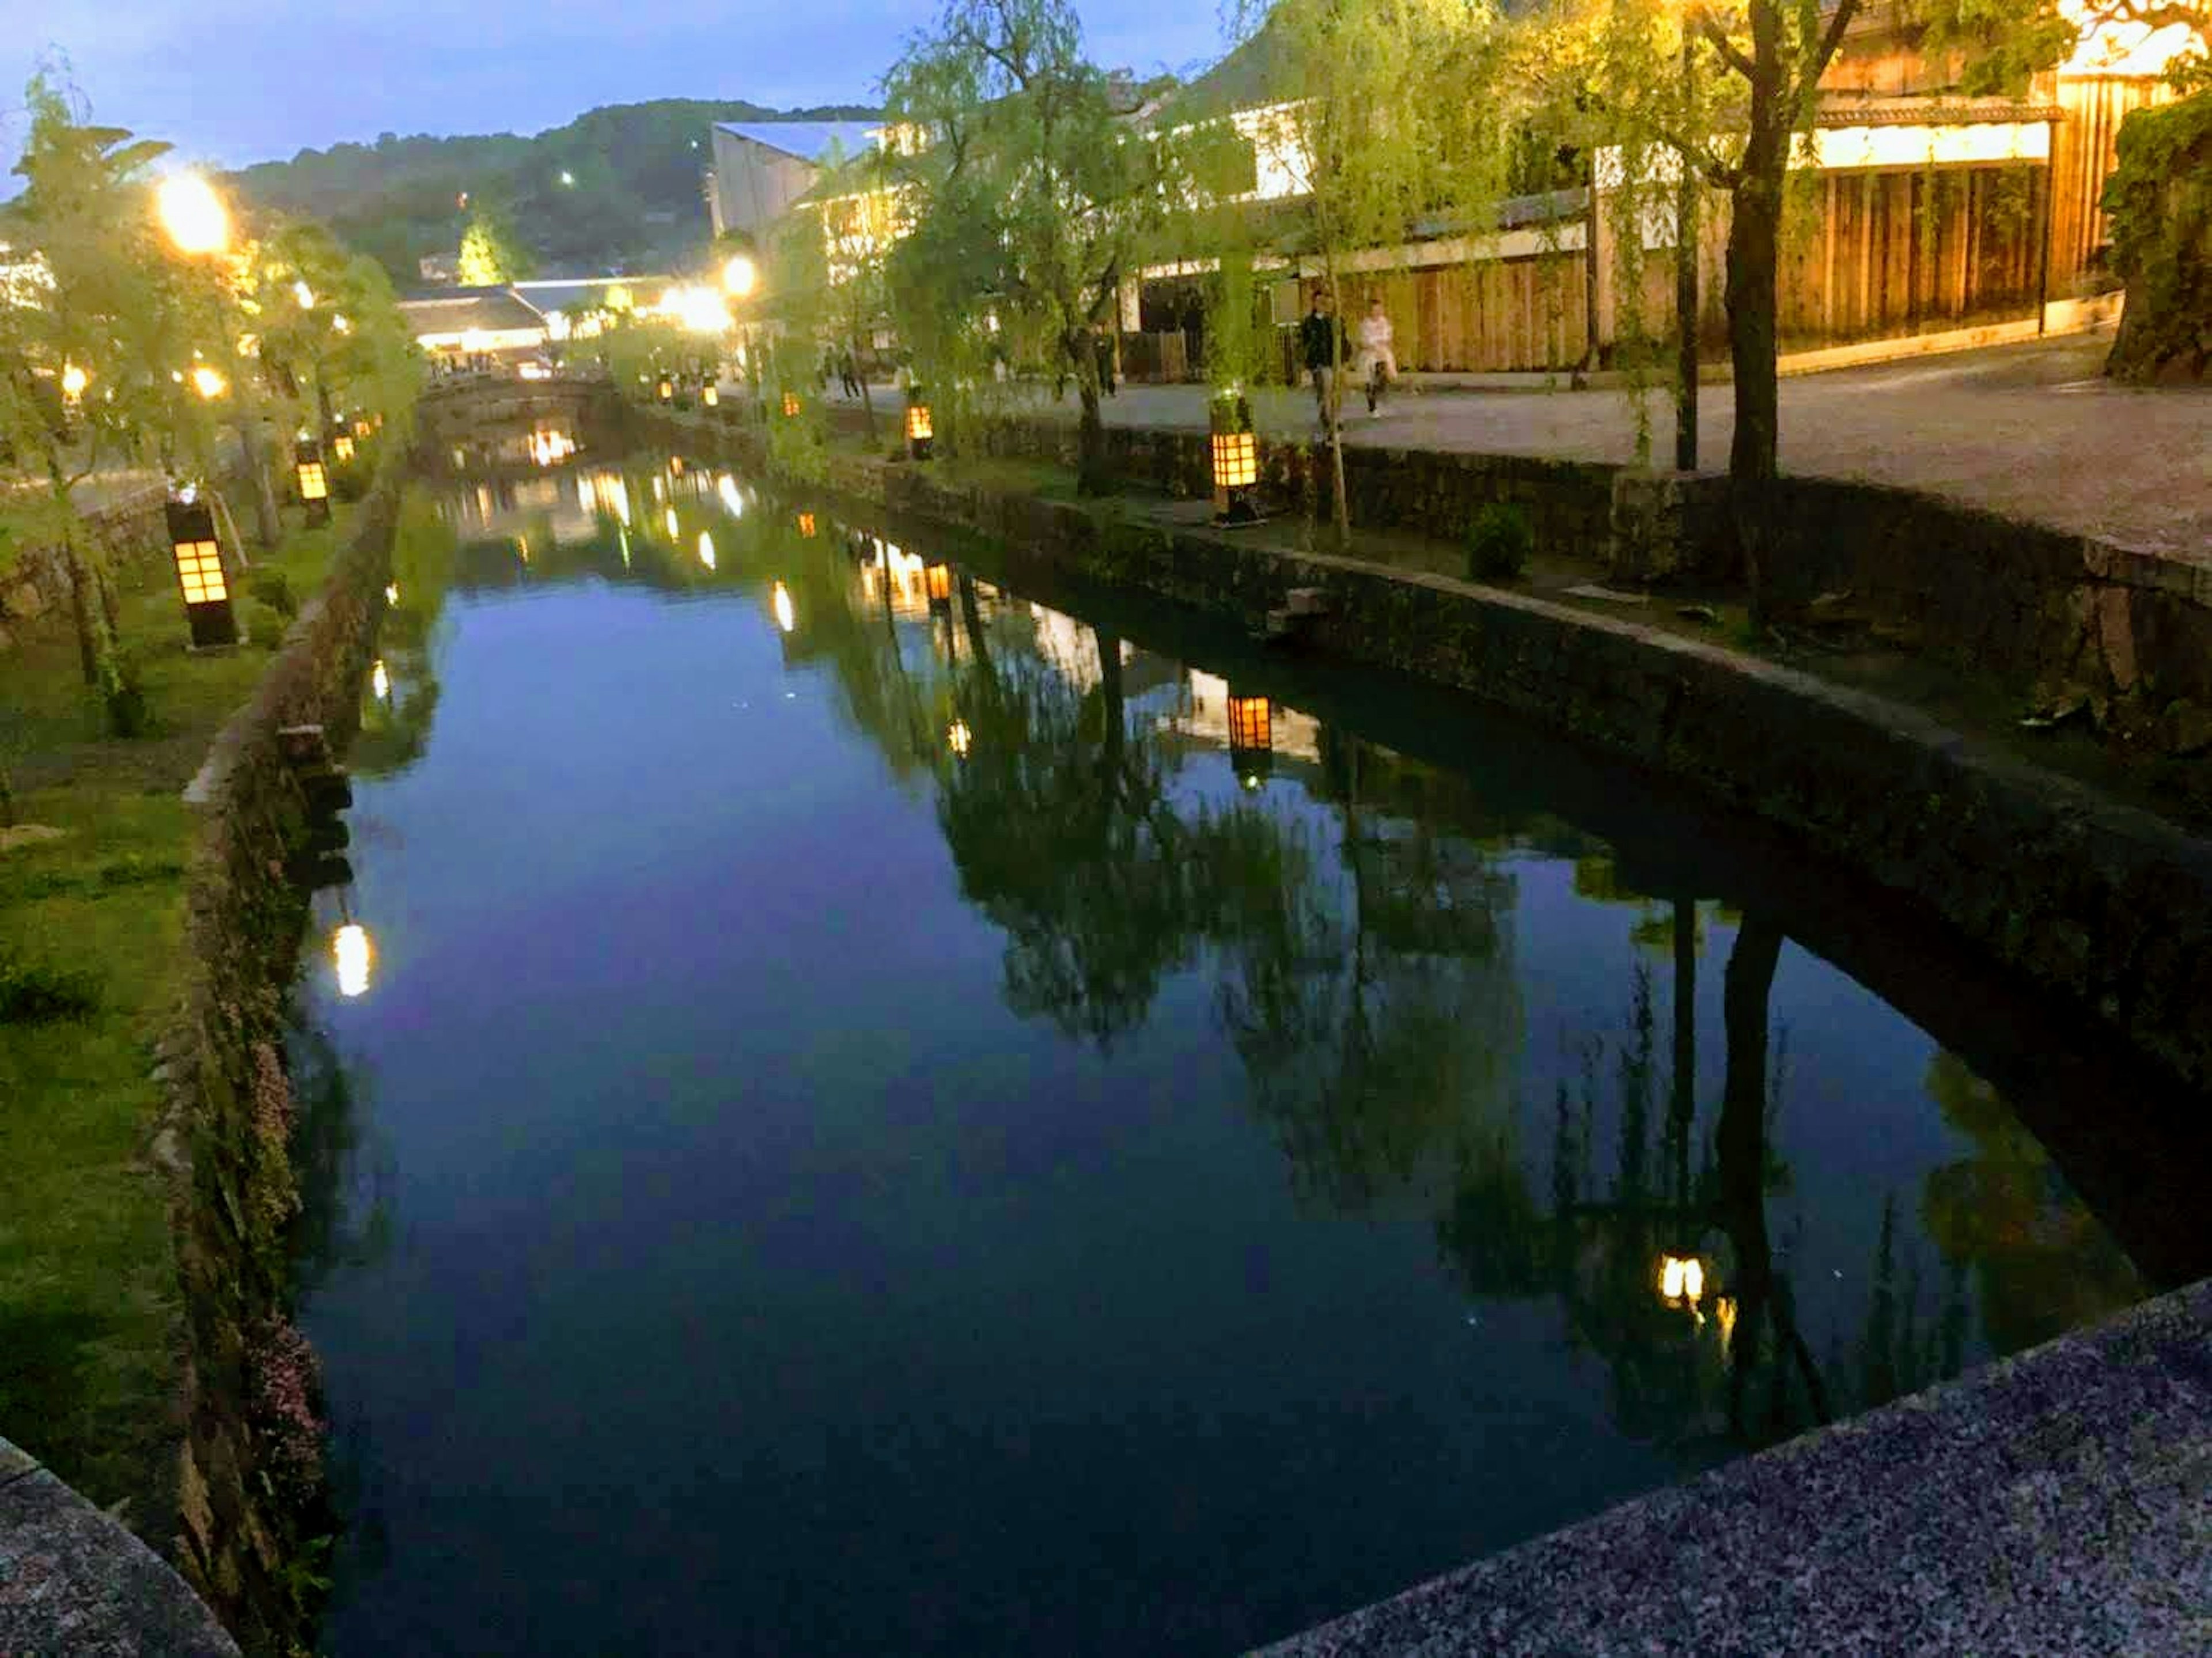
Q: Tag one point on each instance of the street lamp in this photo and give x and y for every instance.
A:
(314, 483)
(1235, 453)
(740, 275)
(200, 571)
(920, 428)
(192, 214)
(209, 383)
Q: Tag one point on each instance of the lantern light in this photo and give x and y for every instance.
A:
(391, 593)
(352, 954)
(666, 390)
(74, 380)
(786, 617)
(791, 405)
(200, 573)
(959, 738)
(360, 428)
(314, 482)
(341, 445)
(939, 581)
(304, 295)
(711, 396)
(807, 525)
(1235, 453)
(707, 550)
(1681, 1280)
(380, 680)
(739, 276)
(669, 518)
(1251, 738)
(920, 428)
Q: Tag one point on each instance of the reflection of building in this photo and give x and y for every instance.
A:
(761, 167)
(1204, 719)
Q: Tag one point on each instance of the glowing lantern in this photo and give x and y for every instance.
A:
(1235, 459)
(675, 466)
(209, 383)
(791, 405)
(380, 681)
(360, 428)
(921, 430)
(739, 276)
(959, 738)
(200, 573)
(938, 578)
(1251, 738)
(74, 380)
(786, 617)
(712, 397)
(351, 952)
(666, 390)
(314, 483)
(1681, 1280)
(807, 525)
(391, 593)
(342, 446)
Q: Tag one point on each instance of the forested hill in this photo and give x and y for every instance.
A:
(615, 189)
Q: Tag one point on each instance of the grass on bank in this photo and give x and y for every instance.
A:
(87, 1284)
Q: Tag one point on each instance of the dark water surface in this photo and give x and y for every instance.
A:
(872, 1130)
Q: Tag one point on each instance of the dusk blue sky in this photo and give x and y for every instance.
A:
(232, 82)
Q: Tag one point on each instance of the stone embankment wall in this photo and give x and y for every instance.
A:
(2041, 611)
(250, 1499)
(2105, 906)
(34, 589)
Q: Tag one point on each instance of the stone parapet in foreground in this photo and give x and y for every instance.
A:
(2057, 1502)
(72, 1580)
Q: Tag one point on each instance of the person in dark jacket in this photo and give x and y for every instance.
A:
(1322, 340)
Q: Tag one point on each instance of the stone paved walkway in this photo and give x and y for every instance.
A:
(2030, 430)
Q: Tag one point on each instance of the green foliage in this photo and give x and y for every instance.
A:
(2159, 200)
(274, 590)
(491, 253)
(1998, 46)
(264, 627)
(1500, 541)
(34, 993)
(122, 696)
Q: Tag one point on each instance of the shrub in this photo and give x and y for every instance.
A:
(350, 483)
(270, 587)
(264, 627)
(1498, 543)
(34, 994)
(123, 695)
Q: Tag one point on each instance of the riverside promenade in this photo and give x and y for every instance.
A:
(2032, 431)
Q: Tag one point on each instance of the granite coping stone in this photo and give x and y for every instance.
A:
(2058, 1503)
(74, 1581)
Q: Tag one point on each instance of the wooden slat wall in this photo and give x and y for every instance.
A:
(2084, 148)
(1502, 314)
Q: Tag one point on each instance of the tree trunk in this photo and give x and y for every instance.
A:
(867, 401)
(1740, 1144)
(88, 642)
(1093, 477)
(1683, 1108)
(971, 617)
(1341, 506)
(268, 527)
(1755, 240)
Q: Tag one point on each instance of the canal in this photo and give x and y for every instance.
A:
(890, 1108)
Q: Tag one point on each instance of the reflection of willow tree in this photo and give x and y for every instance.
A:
(2041, 1261)
(1733, 1351)
(1376, 1015)
(1060, 821)
(425, 559)
(330, 1232)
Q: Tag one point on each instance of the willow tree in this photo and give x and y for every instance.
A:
(93, 326)
(1022, 168)
(1400, 121)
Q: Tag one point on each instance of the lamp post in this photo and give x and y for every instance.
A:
(920, 427)
(200, 576)
(1685, 264)
(1235, 453)
(314, 482)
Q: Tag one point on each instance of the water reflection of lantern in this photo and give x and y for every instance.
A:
(786, 617)
(939, 578)
(675, 466)
(920, 431)
(1251, 735)
(200, 573)
(959, 738)
(1235, 459)
(1681, 1280)
(807, 525)
(1724, 1315)
(733, 502)
(791, 405)
(380, 681)
(353, 955)
(314, 484)
(707, 550)
(669, 517)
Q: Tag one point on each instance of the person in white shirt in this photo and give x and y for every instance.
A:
(1378, 361)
